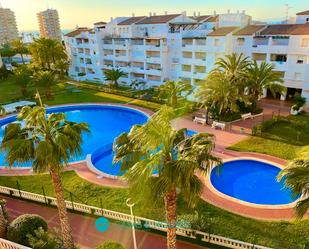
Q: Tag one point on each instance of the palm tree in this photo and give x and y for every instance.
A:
(114, 75)
(49, 142)
(47, 52)
(62, 67)
(262, 77)
(176, 158)
(4, 217)
(174, 90)
(22, 77)
(235, 67)
(296, 178)
(219, 93)
(7, 51)
(20, 48)
(45, 79)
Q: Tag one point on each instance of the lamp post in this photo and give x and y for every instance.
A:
(131, 205)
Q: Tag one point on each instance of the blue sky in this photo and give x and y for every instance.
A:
(86, 12)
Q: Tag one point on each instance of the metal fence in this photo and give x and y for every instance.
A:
(139, 221)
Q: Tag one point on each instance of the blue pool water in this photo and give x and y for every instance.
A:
(251, 181)
(105, 123)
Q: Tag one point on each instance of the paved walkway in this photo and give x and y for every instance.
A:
(84, 231)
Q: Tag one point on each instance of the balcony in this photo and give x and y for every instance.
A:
(199, 75)
(139, 70)
(153, 59)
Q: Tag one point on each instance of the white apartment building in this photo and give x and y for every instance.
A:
(49, 24)
(8, 26)
(157, 48)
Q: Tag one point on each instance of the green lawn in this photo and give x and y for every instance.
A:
(215, 220)
(282, 139)
(9, 92)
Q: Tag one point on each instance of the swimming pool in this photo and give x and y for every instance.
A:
(106, 122)
(251, 181)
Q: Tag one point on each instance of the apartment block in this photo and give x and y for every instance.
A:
(156, 48)
(49, 24)
(8, 27)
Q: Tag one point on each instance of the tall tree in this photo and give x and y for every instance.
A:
(47, 52)
(235, 67)
(4, 219)
(175, 90)
(114, 75)
(219, 93)
(61, 67)
(20, 48)
(158, 148)
(262, 77)
(296, 178)
(49, 142)
(22, 77)
(45, 79)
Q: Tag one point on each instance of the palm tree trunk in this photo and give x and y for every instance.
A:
(171, 217)
(66, 231)
(3, 223)
(22, 58)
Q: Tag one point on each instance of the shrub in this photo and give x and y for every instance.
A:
(44, 240)
(24, 225)
(109, 244)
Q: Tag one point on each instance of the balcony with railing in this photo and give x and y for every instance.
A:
(153, 57)
(137, 76)
(259, 57)
(199, 72)
(260, 41)
(152, 68)
(187, 58)
(186, 71)
(154, 80)
(279, 61)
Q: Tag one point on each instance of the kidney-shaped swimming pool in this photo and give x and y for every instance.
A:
(106, 122)
(251, 181)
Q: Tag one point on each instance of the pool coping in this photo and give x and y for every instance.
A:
(215, 191)
(86, 160)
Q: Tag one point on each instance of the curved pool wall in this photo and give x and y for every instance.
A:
(106, 122)
(251, 181)
(100, 161)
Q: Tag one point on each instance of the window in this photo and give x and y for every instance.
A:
(240, 41)
(305, 42)
(300, 59)
(217, 42)
(307, 19)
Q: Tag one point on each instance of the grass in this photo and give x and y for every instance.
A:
(215, 220)
(9, 92)
(282, 139)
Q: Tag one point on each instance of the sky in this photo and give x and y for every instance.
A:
(86, 12)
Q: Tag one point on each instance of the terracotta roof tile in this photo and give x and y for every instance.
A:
(158, 19)
(250, 30)
(303, 13)
(223, 31)
(286, 29)
(77, 32)
(99, 23)
(201, 18)
(213, 19)
(132, 20)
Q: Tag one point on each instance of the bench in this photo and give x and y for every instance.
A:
(216, 124)
(246, 115)
(199, 120)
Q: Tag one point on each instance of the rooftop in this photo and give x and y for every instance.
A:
(287, 29)
(223, 31)
(99, 23)
(132, 20)
(77, 32)
(158, 19)
(201, 18)
(306, 12)
(249, 30)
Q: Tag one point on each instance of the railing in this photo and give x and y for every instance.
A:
(139, 221)
(5, 244)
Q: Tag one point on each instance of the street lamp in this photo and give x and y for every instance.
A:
(131, 205)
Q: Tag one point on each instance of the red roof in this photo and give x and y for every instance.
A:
(223, 31)
(77, 32)
(158, 19)
(132, 20)
(286, 29)
(303, 13)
